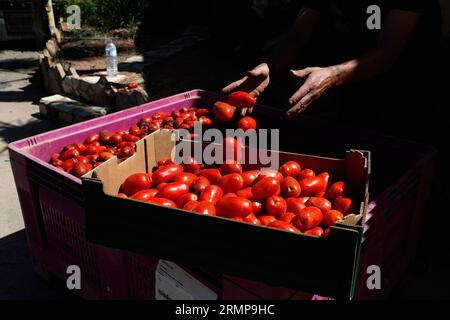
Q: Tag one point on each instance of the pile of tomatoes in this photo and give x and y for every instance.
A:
(79, 158)
(291, 199)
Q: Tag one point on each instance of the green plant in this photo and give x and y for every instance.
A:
(88, 8)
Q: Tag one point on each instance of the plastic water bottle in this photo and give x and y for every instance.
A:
(111, 58)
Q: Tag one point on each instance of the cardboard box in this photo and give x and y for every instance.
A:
(326, 266)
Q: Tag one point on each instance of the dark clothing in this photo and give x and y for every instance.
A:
(400, 102)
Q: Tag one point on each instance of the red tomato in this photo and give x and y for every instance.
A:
(211, 194)
(167, 173)
(134, 130)
(308, 218)
(223, 111)
(190, 205)
(122, 195)
(192, 166)
(231, 183)
(229, 195)
(79, 146)
(68, 164)
(331, 217)
(105, 156)
(290, 187)
(265, 188)
(326, 178)
(316, 231)
(252, 219)
(71, 153)
(247, 123)
(174, 190)
(92, 158)
(206, 122)
(213, 175)
(245, 193)
(257, 207)
(270, 173)
(162, 202)
(290, 169)
(325, 233)
(231, 167)
(161, 186)
(311, 186)
(287, 217)
(95, 144)
(133, 85)
(278, 224)
(104, 136)
(186, 178)
(238, 219)
(91, 138)
(276, 206)
(306, 173)
(164, 162)
(199, 184)
(321, 203)
(159, 115)
(126, 152)
(250, 177)
(115, 139)
(234, 207)
(202, 112)
(206, 208)
(344, 205)
(266, 219)
(185, 198)
(90, 150)
(79, 169)
(130, 138)
(338, 189)
(136, 182)
(144, 195)
(82, 159)
(241, 99)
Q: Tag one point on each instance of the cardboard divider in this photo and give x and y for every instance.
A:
(327, 266)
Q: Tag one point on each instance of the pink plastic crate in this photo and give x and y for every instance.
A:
(52, 207)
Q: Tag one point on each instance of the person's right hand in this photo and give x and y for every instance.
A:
(255, 82)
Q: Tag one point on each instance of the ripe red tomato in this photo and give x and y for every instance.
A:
(186, 178)
(257, 207)
(202, 112)
(136, 182)
(247, 123)
(144, 195)
(79, 169)
(321, 203)
(290, 187)
(199, 184)
(270, 173)
(126, 152)
(278, 224)
(115, 139)
(231, 167)
(241, 99)
(130, 138)
(266, 219)
(231, 183)
(122, 195)
(134, 130)
(133, 85)
(338, 189)
(185, 198)
(206, 208)
(229, 195)
(325, 233)
(232, 149)
(211, 194)
(92, 158)
(238, 219)
(162, 202)
(265, 188)
(164, 162)
(82, 159)
(192, 166)
(223, 111)
(245, 193)
(250, 177)
(206, 121)
(287, 217)
(213, 175)
(252, 219)
(90, 150)
(344, 205)
(326, 178)
(306, 173)
(174, 190)
(308, 218)
(91, 138)
(311, 186)
(190, 205)
(167, 173)
(68, 164)
(276, 206)
(290, 169)
(331, 217)
(71, 153)
(316, 231)
(295, 205)
(95, 144)
(234, 207)
(104, 156)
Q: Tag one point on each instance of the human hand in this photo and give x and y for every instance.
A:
(255, 82)
(318, 81)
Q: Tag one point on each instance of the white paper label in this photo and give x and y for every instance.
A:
(173, 283)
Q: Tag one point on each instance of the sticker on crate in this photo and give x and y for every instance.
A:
(173, 283)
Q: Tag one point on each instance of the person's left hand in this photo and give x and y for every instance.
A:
(318, 81)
